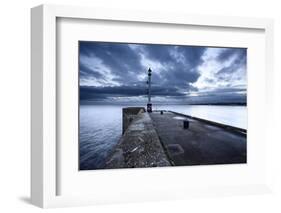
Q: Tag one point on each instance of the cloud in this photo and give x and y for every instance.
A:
(222, 67)
(115, 71)
(178, 64)
(117, 59)
(91, 92)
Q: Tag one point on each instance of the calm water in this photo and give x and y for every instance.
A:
(101, 126)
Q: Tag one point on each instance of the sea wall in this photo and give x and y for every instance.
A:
(140, 145)
(160, 139)
(128, 115)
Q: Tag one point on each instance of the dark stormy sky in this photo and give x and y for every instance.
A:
(117, 73)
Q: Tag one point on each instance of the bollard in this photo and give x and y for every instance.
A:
(185, 124)
(161, 112)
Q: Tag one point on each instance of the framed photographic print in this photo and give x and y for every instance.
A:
(133, 105)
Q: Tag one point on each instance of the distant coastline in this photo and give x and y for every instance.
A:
(221, 104)
(144, 104)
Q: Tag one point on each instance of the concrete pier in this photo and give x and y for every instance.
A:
(140, 145)
(162, 138)
(203, 143)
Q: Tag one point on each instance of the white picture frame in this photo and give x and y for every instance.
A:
(44, 155)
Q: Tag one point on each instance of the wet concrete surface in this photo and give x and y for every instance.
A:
(201, 144)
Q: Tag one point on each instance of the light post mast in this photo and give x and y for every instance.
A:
(149, 104)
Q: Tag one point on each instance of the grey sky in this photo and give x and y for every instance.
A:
(116, 73)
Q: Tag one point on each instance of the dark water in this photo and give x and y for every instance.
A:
(100, 130)
(101, 127)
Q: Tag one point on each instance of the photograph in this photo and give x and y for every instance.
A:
(161, 105)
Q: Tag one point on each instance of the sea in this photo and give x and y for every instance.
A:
(101, 127)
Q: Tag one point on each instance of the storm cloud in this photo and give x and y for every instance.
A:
(117, 73)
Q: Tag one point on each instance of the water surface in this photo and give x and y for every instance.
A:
(101, 126)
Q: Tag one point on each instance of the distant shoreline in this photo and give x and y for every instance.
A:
(155, 104)
(222, 104)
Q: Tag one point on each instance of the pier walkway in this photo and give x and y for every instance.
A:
(202, 143)
(140, 146)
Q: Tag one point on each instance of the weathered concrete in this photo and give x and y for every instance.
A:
(139, 146)
(202, 143)
(129, 114)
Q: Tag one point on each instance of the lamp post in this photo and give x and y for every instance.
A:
(149, 104)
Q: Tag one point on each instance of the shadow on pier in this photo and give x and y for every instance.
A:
(165, 138)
